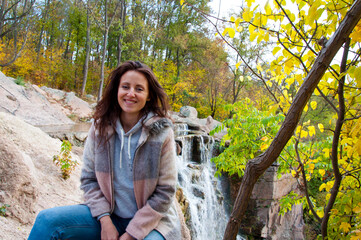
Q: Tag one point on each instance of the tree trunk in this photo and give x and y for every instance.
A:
(257, 166)
(107, 25)
(120, 38)
(2, 15)
(100, 93)
(335, 141)
(66, 52)
(86, 62)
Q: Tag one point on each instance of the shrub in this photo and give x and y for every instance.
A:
(64, 160)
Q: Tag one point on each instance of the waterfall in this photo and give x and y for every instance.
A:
(181, 129)
(200, 187)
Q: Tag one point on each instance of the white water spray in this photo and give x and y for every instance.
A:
(196, 178)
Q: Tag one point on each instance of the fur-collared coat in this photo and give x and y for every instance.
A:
(154, 176)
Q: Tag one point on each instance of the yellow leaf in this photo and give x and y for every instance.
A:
(345, 227)
(357, 236)
(238, 20)
(251, 28)
(275, 50)
(305, 109)
(239, 29)
(249, 2)
(320, 126)
(313, 105)
(326, 152)
(350, 151)
(261, 35)
(266, 37)
(347, 141)
(259, 68)
(323, 186)
(357, 74)
(247, 16)
(298, 129)
(357, 209)
(231, 32)
(334, 211)
(311, 16)
(238, 64)
(304, 134)
(264, 146)
(252, 36)
(329, 185)
(181, 2)
(293, 173)
(290, 80)
(322, 173)
(320, 213)
(357, 146)
(357, 128)
(232, 19)
(268, 9)
(311, 166)
(311, 130)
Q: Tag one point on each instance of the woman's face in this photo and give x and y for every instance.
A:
(133, 93)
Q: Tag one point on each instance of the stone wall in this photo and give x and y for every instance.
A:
(262, 219)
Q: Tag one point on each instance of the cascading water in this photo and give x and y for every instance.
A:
(196, 178)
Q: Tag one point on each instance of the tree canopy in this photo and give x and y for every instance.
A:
(304, 78)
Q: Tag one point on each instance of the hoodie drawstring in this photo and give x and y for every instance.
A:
(129, 139)
(122, 145)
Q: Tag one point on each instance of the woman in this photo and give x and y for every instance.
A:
(129, 174)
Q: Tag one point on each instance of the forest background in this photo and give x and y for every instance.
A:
(248, 74)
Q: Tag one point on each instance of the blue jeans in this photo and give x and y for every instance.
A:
(75, 222)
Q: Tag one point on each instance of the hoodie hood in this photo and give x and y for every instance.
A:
(120, 131)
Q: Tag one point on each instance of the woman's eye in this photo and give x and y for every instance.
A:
(139, 89)
(125, 87)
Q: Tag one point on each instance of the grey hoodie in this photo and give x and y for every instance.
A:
(125, 147)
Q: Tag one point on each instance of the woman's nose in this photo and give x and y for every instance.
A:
(131, 92)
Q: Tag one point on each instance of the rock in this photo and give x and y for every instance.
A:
(262, 219)
(55, 94)
(287, 226)
(17, 181)
(188, 112)
(198, 192)
(11, 229)
(200, 126)
(211, 123)
(29, 104)
(90, 98)
(30, 181)
(81, 136)
(78, 106)
(182, 205)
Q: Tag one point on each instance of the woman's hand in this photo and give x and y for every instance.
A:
(126, 236)
(109, 231)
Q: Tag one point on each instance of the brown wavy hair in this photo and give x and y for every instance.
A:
(108, 110)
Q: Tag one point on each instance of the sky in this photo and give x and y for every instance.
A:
(224, 8)
(227, 6)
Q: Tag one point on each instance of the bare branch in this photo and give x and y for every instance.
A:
(301, 165)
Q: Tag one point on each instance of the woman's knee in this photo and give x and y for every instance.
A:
(45, 216)
(154, 235)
